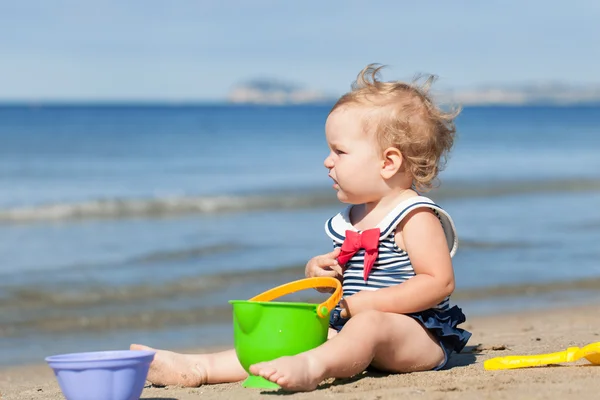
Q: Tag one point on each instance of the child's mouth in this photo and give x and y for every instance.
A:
(335, 184)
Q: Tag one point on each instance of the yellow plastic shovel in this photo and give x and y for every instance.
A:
(591, 352)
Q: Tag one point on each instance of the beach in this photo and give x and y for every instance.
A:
(528, 332)
(125, 224)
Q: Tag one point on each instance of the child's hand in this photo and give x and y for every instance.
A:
(324, 265)
(345, 313)
(354, 304)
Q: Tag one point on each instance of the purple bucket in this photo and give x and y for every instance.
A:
(102, 375)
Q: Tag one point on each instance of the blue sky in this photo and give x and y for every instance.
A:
(197, 50)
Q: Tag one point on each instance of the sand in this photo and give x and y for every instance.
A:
(516, 333)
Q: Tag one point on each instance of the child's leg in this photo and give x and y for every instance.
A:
(391, 342)
(193, 370)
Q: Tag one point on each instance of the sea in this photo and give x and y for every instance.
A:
(134, 223)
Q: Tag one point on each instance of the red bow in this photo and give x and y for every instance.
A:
(368, 240)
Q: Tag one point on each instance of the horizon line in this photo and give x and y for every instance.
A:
(7, 103)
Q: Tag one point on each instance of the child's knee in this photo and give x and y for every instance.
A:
(371, 319)
(331, 333)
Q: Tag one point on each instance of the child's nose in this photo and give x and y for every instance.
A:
(328, 162)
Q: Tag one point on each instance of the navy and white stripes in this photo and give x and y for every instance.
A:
(393, 265)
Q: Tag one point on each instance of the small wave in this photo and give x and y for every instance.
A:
(34, 296)
(510, 188)
(139, 261)
(479, 245)
(176, 206)
(590, 225)
(161, 207)
(183, 254)
(524, 289)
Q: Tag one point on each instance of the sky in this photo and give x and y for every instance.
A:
(195, 50)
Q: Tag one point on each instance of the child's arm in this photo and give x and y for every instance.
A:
(425, 242)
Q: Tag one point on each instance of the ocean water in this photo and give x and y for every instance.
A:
(123, 224)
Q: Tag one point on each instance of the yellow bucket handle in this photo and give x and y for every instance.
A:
(309, 283)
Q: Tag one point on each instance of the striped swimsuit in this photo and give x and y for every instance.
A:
(393, 267)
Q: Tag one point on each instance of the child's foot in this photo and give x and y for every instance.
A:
(170, 368)
(301, 373)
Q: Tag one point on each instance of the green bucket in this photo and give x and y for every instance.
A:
(264, 330)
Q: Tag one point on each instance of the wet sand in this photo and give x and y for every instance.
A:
(465, 378)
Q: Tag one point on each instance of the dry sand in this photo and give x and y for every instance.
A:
(518, 333)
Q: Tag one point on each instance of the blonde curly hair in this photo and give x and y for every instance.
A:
(404, 116)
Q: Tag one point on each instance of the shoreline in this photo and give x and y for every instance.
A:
(27, 342)
(561, 292)
(525, 332)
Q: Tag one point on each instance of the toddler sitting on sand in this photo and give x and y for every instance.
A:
(392, 249)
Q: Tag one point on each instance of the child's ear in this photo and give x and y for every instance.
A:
(392, 162)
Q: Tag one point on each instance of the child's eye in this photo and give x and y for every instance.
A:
(338, 151)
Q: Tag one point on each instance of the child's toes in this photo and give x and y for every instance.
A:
(276, 376)
(282, 381)
(262, 369)
(255, 369)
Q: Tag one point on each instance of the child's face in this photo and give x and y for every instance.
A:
(354, 162)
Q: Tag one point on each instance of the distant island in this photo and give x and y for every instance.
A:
(272, 92)
(532, 94)
(264, 91)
